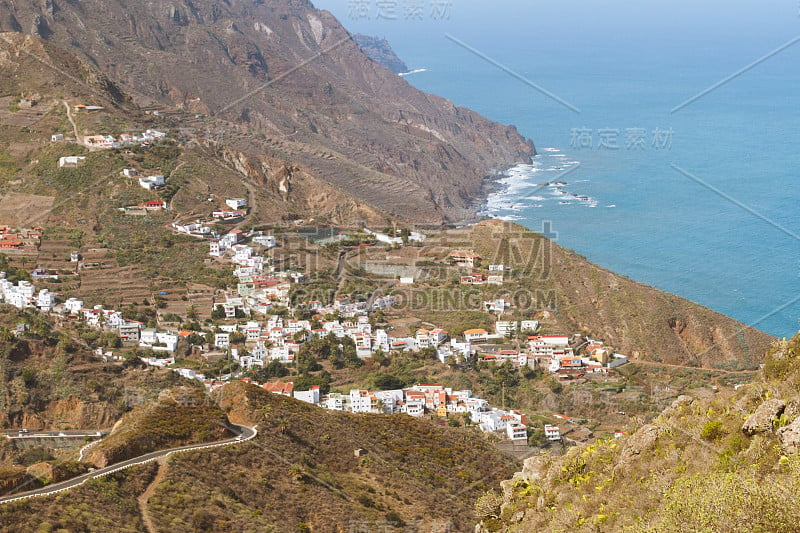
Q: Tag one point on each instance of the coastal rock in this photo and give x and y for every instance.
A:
(790, 437)
(380, 51)
(761, 420)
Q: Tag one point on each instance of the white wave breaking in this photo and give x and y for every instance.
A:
(415, 71)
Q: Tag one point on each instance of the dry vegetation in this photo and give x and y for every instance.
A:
(692, 469)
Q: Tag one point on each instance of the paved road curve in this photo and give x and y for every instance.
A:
(244, 434)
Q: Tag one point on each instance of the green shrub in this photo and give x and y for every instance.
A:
(712, 430)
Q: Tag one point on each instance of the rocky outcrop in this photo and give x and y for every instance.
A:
(761, 420)
(792, 410)
(380, 51)
(535, 468)
(681, 401)
(640, 442)
(790, 437)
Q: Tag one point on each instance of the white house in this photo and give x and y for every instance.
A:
(57, 137)
(496, 306)
(505, 327)
(552, 432)
(236, 203)
(476, 335)
(529, 325)
(241, 253)
(309, 396)
(73, 305)
(158, 341)
(281, 354)
(549, 345)
(71, 161)
(335, 402)
(265, 240)
(361, 401)
(151, 182)
(517, 432)
(216, 249)
(222, 340)
(494, 420)
(414, 404)
(154, 134)
(46, 300)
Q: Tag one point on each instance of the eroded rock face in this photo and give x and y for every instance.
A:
(790, 437)
(535, 468)
(792, 409)
(638, 443)
(761, 420)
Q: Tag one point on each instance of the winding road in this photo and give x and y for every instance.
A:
(244, 434)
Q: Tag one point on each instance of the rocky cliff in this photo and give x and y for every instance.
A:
(729, 462)
(380, 51)
(301, 89)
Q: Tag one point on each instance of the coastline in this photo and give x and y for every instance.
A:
(490, 185)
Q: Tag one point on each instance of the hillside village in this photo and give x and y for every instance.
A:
(245, 331)
(267, 316)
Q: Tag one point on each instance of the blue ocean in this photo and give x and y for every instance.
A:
(667, 132)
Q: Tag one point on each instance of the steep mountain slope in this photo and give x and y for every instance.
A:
(50, 379)
(299, 474)
(299, 87)
(727, 463)
(278, 189)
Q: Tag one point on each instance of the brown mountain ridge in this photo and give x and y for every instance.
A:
(297, 86)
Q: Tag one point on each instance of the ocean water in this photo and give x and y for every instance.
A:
(700, 201)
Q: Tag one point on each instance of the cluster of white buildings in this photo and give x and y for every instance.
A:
(413, 236)
(23, 295)
(127, 330)
(280, 340)
(555, 353)
(195, 229)
(415, 401)
(124, 139)
(240, 252)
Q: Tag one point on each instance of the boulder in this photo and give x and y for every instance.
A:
(761, 420)
(790, 437)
